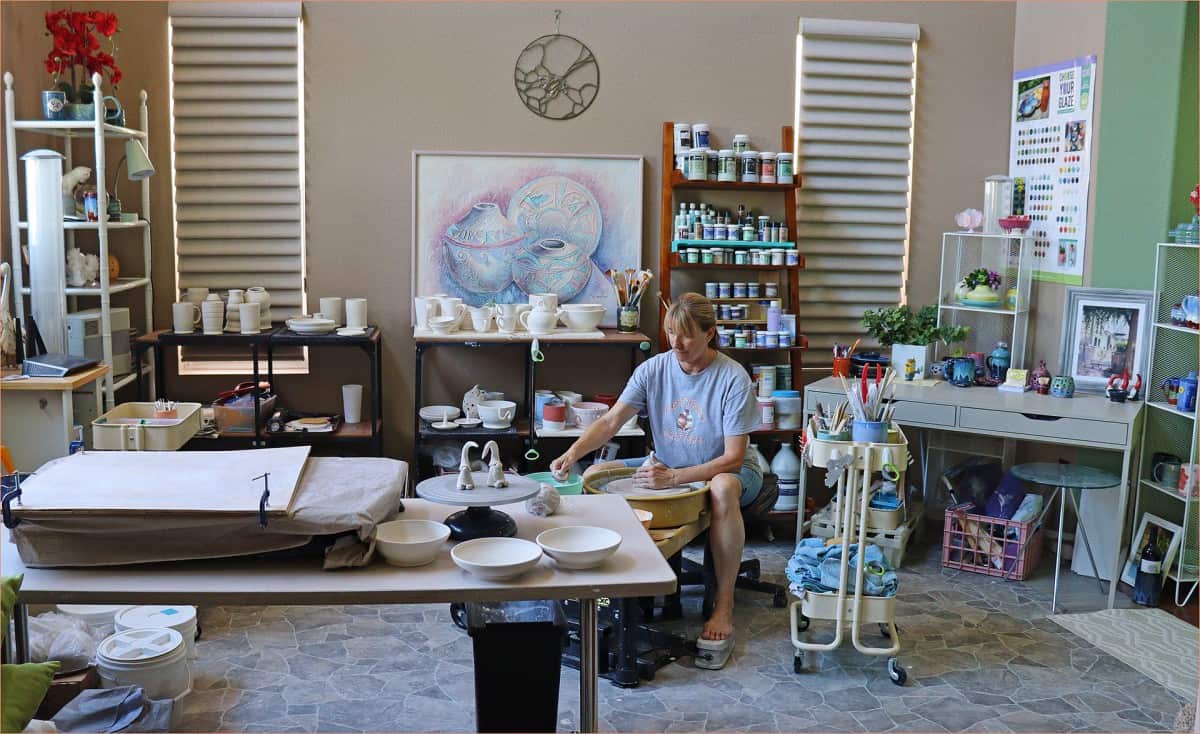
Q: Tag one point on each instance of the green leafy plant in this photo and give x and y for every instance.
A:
(900, 325)
(982, 276)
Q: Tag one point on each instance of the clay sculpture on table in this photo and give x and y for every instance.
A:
(464, 467)
(495, 467)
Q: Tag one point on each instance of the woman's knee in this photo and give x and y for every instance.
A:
(726, 490)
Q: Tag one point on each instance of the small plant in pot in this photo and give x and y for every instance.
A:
(911, 335)
(980, 287)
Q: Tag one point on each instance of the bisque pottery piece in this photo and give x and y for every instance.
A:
(496, 478)
(464, 467)
(1062, 386)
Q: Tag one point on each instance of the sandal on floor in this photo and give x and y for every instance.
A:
(713, 654)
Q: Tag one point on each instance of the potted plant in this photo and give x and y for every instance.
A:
(911, 335)
(980, 287)
(76, 48)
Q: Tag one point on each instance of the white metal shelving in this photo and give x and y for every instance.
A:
(99, 131)
(1173, 353)
(1010, 255)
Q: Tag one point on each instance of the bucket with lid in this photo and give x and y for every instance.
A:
(154, 659)
(179, 617)
(96, 615)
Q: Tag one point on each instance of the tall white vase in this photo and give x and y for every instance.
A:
(47, 251)
(258, 294)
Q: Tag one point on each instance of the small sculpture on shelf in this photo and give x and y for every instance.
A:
(491, 451)
(1118, 389)
(464, 467)
(969, 220)
(1040, 378)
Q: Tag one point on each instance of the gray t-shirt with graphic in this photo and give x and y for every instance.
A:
(690, 415)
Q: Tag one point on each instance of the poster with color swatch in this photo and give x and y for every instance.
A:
(1048, 159)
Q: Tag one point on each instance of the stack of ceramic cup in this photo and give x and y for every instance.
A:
(232, 315)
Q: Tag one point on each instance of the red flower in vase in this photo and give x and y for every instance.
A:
(1195, 198)
(76, 46)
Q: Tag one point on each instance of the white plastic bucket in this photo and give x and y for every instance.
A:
(99, 616)
(153, 658)
(179, 617)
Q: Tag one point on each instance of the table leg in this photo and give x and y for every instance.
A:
(68, 408)
(21, 633)
(1083, 534)
(1062, 514)
(588, 720)
(1122, 508)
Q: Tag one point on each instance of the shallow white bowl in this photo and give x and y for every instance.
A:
(496, 559)
(410, 542)
(582, 320)
(443, 325)
(434, 412)
(579, 546)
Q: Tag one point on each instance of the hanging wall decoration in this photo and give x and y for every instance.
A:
(557, 76)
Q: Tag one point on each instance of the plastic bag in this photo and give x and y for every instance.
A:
(70, 640)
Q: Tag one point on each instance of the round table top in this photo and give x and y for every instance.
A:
(1071, 476)
(443, 490)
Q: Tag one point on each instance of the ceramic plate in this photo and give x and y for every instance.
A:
(351, 331)
(469, 422)
(440, 426)
(980, 304)
(435, 412)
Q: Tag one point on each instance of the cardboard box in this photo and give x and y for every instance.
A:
(66, 687)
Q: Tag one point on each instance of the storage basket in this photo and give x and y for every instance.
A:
(893, 543)
(990, 545)
(122, 428)
(241, 419)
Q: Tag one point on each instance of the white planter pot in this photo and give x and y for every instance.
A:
(901, 353)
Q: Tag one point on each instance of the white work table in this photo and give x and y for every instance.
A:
(636, 569)
(1090, 421)
(40, 413)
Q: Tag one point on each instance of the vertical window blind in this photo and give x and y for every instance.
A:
(855, 88)
(237, 149)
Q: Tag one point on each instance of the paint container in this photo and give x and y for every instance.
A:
(741, 143)
(739, 340)
(750, 167)
(785, 338)
(719, 256)
(706, 257)
(714, 165)
(707, 232)
(683, 136)
(784, 171)
(783, 376)
(778, 256)
(748, 233)
(753, 290)
(783, 232)
(792, 257)
(771, 339)
(693, 256)
(724, 290)
(727, 165)
(773, 316)
(740, 257)
(760, 339)
(765, 379)
(724, 338)
(720, 231)
(710, 289)
(700, 135)
(697, 164)
(766, 412)
(766, 167)
(681, 157)
(787, 322)
(739, 290)
(771, 290)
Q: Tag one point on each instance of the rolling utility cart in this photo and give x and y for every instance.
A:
(857, 463)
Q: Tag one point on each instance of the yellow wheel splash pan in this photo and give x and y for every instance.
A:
(670, 511)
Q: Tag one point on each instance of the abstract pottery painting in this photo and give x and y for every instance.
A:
(495, 227)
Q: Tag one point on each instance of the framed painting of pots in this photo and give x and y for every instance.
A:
(1106, 332)
(497, 227)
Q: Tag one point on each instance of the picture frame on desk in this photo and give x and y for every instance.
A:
(1168, 542)
(1105, 332)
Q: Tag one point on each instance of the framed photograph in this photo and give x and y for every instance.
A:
(495, 227)
(1105, 332)
(1168, 544)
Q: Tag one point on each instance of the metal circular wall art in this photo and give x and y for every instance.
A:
(557, 77)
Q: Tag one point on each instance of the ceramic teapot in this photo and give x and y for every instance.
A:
(998, 361)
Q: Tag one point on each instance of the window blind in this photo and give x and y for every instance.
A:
(854, 121)
(237, 150)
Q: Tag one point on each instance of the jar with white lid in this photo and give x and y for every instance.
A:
(697, 164)
(741, 143)
(784, 168)
(714, 165)
(766, 167)
(700, 135)
(750, 166)
(766, 413)
(727, 165)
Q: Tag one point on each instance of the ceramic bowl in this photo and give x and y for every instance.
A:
(411, 542)
(443, 325)
(496, 559)
(1015, 223)
(497, 413)
(579, 546)
(435, 412)
(582, 319)
(645, 517)
(468, 422)
(587, 413)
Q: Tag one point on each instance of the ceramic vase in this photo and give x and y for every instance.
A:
(258, 294)
(921, 355)
(1062, 386)
(1040, 378)
(479, 248)
(552, 266)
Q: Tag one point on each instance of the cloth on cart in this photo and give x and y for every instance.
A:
(817, 567)
(886, 499)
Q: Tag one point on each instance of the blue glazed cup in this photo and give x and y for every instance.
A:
(869, 431)
(54, 104)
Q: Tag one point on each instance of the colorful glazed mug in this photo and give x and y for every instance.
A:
(1062, 386)
(962, 371)
(1170, 388)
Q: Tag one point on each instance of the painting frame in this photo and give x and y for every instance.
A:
(1086, 335)
(612, 185)
(1129, 570)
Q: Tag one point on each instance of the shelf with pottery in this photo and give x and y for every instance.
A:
(796, 347)
(1168, 408)
(1169, 491)
(679, 181)
(519, 428)
(99, 131)
(602, 336)
(576, 432)
(1176, 327)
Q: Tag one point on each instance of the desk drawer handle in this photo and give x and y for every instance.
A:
(1036, 417)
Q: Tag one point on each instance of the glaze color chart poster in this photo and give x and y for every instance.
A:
(1048, 159)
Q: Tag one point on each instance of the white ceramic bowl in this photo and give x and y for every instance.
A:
(497, 413)
(581, 319)
(435, 412)
(587, 413)
(411, 542)
(579, 546)
(496, 559)
(443, 324)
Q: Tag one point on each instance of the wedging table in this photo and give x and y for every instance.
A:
(636, 569)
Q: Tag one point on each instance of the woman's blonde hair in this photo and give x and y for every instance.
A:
(691, 315)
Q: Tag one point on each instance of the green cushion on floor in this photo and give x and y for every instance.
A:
(24, 688)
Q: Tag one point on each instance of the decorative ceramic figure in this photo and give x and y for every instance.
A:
(998, 361)
(552, 266)
(82, 268)
(464, 467)
(479, 249)
(1118, 389)
(1062, 386)
(470, 401)
(969, 220)
(496, 478)
(910, 369)
(1040, 378)
(962, 372)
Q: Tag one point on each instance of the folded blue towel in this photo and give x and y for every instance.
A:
(817, 568)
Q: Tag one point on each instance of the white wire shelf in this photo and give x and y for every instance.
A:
(76, 129)
(577, 432)
(1168, 408)
(984, 309)
(1181, 576)
(1004, 235)
(1169, 491)
(71, 224)
(119, 286)
(1173, 327)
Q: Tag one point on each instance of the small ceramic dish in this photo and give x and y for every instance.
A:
(579, 546)
(410, 542)
(439, 412)
(444, 426)
(351, 331)
(469, 422)
(496, 559)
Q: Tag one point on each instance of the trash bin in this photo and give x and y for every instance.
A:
(525, 636)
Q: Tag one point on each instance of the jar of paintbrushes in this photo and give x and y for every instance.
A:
(629, 285)
(870, 404)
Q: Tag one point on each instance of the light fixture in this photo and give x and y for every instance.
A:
(139, 168)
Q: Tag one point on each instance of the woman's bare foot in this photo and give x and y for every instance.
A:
(719, 626)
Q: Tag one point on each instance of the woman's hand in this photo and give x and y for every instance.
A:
(655, 476)
(562, 465)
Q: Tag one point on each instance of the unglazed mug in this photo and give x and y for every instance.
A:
(185, 315)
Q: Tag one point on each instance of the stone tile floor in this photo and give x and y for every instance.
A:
(980, 653)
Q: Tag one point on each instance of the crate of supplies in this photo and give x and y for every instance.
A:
(233, 411)
(990, 545)
(893, 543)
(134, 427)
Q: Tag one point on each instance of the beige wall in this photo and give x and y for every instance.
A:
(384, 79)
(1047, 33)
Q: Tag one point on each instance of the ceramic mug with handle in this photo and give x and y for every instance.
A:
(481, 318)
(543, 301)
(1167, 473)
(424, 308)
(539, 322)
(185, 315)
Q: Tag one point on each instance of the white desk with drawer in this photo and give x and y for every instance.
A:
(1089, 421)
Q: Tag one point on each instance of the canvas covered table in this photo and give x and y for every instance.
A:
(636, 569)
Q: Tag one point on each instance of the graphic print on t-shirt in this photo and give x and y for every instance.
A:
(688, 418)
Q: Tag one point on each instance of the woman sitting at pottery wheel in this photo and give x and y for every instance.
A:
(701, 407)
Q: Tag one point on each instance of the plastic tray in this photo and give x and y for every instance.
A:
(824, 605)
(120, 429)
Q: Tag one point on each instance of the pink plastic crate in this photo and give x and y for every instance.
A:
(982, 544)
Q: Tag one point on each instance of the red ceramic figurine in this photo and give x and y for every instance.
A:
(1040, 378)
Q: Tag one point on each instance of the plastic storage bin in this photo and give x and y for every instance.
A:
(509, 636)
(990, 545)
(241, 419)
(133, 427)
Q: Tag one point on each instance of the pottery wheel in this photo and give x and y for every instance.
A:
(625, 488)
(442, 489)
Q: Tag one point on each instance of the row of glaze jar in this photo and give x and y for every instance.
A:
(728, 256)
